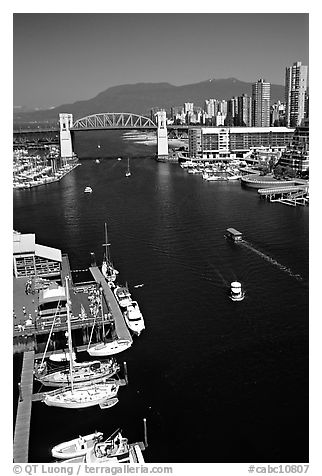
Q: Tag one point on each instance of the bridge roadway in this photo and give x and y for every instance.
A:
(121, 328)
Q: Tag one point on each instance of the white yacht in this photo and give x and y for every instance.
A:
(123, 295)
(88, 190)
(133, 318)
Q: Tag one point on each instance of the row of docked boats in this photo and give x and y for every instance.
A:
(91, 383)
(213, 171)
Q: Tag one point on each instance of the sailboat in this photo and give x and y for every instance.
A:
(80, 395)
(108, 270)
(105, 347)
(128, 172)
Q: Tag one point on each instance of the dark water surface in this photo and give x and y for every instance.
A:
(218, 381)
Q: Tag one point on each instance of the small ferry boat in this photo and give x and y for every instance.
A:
(133, 318)
(76, 447)
(97, 161)
(123, 296)
(236, 292)
(88, 190)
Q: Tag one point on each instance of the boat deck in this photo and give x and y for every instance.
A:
(121, 329)
(22, 427)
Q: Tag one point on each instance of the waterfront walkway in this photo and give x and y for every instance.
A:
(121, 329)
(22, 427)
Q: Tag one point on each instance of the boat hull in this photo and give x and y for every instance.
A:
(72, 448)
(82, 397)
(110, 348)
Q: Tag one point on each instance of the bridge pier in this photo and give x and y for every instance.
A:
(66, 145)
(162, 135)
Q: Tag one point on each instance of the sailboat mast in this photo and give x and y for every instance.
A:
(101, 297)
(69, 330)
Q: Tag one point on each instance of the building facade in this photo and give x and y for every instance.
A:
(225, 141)
(31, 259)
(244, 116)
(261, 98)
(296, 155)
(295, 93)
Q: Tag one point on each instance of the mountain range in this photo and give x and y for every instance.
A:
(140, 98)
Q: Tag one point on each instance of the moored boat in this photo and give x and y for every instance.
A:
(109, 348)
(123, 295)
(84, 372)
(133, 318)
(114, 450)
(108, 270)
(88, 190)
(76, 447)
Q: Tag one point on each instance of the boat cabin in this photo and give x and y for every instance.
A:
(234, 235)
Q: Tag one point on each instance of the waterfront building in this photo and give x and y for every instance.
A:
(222, 107)
(244, 111)
(261, 93)
(224, 141)
(31, 259)
(296, 155)
(195, 147)
(295, 89)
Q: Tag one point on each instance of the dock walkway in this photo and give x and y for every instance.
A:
(22, 428)
(121, 328)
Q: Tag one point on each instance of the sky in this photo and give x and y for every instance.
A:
(61, 58)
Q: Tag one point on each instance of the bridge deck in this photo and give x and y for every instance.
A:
(22, 427)
(121, 329)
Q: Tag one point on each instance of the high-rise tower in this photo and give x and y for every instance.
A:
(261, 98)
(295, 89)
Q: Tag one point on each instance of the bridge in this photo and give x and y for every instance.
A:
(113, 120)
(104, 121)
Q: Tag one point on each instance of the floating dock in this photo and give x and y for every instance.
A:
(22, 427)
(121, 329)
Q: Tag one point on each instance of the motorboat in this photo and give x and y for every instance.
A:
(88, 190)
(114, 450)
(92, 371)
(76, 447)
(109, 348)
(97, 161)
(123, 295)
(236, 292)
(133, 318)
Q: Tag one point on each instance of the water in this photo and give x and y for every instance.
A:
(218, 381)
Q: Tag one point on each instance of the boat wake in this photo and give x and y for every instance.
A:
(273, 261)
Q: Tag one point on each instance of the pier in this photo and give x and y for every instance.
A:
(22, 427)
(291, 195)
(121, 329)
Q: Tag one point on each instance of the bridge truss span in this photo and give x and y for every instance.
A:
(114, 120)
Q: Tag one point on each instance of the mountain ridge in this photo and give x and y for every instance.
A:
(140, 98)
